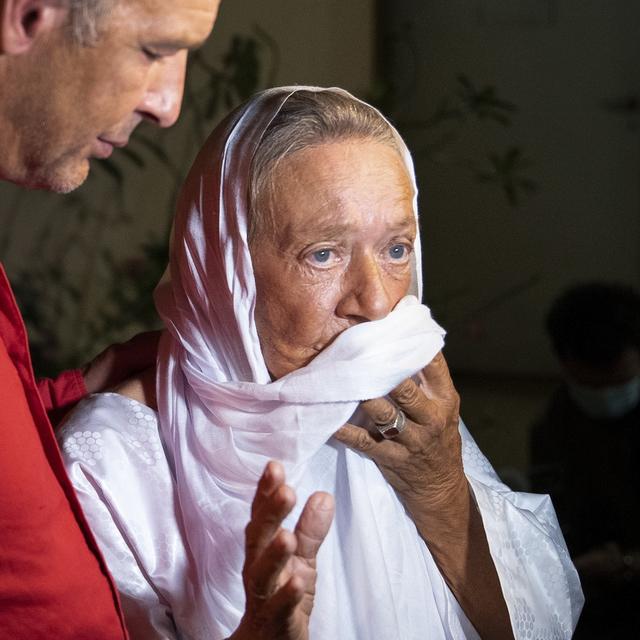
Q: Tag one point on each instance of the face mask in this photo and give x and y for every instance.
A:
(607, 402)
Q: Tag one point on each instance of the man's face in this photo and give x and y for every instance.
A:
(81, 102)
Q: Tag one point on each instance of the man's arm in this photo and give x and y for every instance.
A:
(111, 366)
(424, 465)
(120, 361)
(59, 394)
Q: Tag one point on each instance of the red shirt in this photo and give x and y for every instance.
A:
(54, 583)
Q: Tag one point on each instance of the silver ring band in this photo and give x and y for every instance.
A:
(393, 428)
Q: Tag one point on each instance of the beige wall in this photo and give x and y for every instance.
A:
(323, 42)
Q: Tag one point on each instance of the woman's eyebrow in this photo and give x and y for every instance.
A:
(319, 230)
(322, 223)
(331, 230)
(408, 221)
(313, 231)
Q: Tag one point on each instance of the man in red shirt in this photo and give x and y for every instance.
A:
(76, 78)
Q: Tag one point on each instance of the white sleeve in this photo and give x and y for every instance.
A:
(116, 462)
(539, 582)
(147, 616)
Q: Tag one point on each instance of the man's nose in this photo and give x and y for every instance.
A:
(162, 101)
(367, 295)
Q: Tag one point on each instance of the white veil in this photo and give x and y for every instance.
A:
(222, 418)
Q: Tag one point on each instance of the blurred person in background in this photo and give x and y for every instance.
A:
(585, 448)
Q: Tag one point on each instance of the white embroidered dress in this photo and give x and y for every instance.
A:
(169, 502)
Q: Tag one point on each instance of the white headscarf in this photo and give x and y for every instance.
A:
(223, 418)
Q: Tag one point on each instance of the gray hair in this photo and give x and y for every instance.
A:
(85, 19)
(308, 119)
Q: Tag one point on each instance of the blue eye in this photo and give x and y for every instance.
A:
(397, 251)
(322, 255)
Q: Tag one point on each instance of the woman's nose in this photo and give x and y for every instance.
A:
(366, 295)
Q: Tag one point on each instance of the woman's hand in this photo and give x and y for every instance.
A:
(424, 462)
(424, 465)
(280, 566)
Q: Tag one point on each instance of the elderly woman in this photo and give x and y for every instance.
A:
(289, 321)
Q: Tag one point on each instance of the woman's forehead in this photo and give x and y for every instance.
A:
(331, 174)
(336, 189)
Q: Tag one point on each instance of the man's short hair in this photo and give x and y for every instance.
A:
(85, 19)
(595, 323)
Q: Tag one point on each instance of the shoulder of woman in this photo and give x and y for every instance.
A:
(110, 432)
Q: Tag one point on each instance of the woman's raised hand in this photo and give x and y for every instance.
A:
(424, 465)
(280, 566)
(424, 462)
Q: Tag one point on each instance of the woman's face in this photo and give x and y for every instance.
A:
(339, 252)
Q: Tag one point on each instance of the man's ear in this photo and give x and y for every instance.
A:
(22, 22)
